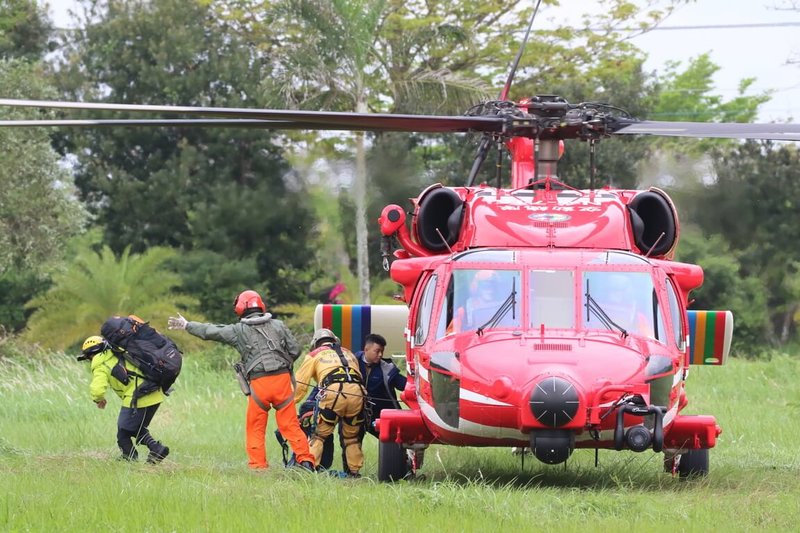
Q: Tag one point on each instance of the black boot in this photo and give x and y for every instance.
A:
(307, 465)
(157, 452)
(129, 455)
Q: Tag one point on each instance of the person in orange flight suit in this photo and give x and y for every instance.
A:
(268, 351)
(341, 400)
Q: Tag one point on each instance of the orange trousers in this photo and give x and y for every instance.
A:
(273, 391)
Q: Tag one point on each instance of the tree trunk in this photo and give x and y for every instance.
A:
(788, 320)
(360, 192)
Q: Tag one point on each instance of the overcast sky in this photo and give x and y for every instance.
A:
(760, 50)
(758, 43)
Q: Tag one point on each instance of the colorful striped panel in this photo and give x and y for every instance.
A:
(710, 334)
(351, 323)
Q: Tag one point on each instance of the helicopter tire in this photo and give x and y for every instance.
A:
(392, 461)
(693, 463)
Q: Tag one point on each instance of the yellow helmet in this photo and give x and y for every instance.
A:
(92, 346)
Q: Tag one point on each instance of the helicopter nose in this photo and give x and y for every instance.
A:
(554, 401)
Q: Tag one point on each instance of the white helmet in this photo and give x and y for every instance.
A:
(323, 334)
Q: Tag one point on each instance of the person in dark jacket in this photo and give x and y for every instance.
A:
(381, 377)
(268, 351)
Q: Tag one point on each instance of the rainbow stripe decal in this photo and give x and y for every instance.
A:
(351, 323)
(710, 334)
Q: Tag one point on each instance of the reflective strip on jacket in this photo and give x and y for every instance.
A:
(102, 364)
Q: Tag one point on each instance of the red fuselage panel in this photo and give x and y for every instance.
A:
(561, 219)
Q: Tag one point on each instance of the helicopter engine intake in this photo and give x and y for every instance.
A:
(654, 222)
(441, 212)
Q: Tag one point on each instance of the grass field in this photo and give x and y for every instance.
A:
(58, 470)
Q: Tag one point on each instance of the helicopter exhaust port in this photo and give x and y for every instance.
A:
(639, 438)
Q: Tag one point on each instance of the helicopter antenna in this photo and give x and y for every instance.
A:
(507, 87)
(483, 149)
(444, 241)
(654, 244)
(499, 165)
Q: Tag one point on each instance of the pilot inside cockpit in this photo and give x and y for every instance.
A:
(491, 300)
(620, 302)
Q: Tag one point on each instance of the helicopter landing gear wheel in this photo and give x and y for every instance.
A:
(693, 463)
(392, 461)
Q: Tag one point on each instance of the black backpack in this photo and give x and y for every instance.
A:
(155, 355)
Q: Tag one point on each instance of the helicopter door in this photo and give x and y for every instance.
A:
(443, 367)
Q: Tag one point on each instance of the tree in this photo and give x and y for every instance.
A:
(25, 30)
(95, 286)
(751, 202)
(215, 280)
(38, 209)
(225, 190)
(330, 50)
(371, 55)
(727, 286)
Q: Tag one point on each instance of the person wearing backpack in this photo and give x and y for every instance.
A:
(109, 370)
(268, 350)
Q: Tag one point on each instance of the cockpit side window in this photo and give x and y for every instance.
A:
(424, 311)
(676, 316)
(446, 325)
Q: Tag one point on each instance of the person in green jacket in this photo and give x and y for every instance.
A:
(110, 370)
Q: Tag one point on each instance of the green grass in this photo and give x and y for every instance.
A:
(58, 470)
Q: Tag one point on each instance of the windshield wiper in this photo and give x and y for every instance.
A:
(510, 303)
(593, 307)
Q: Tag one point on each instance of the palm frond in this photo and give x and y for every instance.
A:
(437, 92)
(96, 286)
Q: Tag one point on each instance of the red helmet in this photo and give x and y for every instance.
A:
(248, 300)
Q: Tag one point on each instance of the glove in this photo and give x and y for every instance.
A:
(176, 323)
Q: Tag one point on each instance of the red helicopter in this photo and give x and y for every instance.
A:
(536, 315)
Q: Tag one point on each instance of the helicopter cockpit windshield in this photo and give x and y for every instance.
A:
(621, 301)
(478, 299)
(489, 289)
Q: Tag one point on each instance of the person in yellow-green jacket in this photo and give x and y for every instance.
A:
(110, 370)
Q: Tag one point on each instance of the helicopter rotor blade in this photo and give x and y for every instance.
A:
(189, 122)
(293, 119)
(722, 130)
(537, 125)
